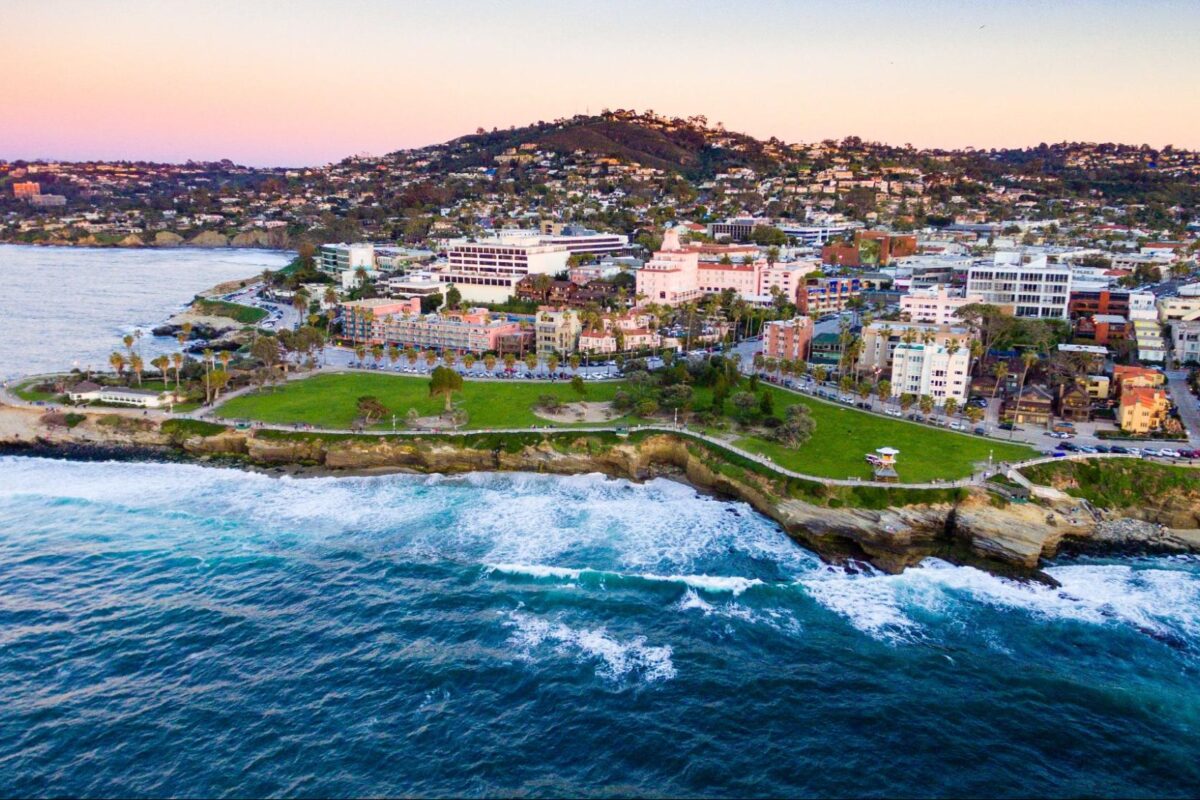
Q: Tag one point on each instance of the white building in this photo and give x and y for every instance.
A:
(488, 270)
(930, 369)
(339, 258)
(1028, 286)
(1185, 339)
(936, 305)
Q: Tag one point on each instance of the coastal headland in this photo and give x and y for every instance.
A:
(889, 528)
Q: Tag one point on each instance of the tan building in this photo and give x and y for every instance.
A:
(1142, 410)
(557, 331)
(881, 338)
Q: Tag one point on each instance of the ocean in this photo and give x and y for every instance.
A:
(64, 307)
(180, 630)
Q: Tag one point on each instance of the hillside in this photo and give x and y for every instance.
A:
(685, 146)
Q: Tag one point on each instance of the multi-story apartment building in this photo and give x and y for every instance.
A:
(557, 331)
(788, 339)
(1148, 339)
(1178, 309)
(930, 369)
(786, 276)
(578, 239)
(1142, 410)
(27, 189)
(938, 306)
(1185, 340)
(473, 331)
(1028, 286)
(881, 338)
(828, 294)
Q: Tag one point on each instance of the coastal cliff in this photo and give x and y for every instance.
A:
(889, 528)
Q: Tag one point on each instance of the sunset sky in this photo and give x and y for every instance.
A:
(299, 82)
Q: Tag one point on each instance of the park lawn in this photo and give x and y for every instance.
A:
(29, 394)
(330, 400)
(247, 315)
(844, 436)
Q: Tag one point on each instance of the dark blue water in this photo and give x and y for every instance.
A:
(175, 630)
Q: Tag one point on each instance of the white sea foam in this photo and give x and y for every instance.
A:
(1157, 601)
(732, 584)
(616, 659)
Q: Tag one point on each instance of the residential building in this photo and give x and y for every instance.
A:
(413, 284)
(1074, 403)
(1025, 286)
(937, 305)
(557, 331)
(402, 323)
(47, 200)
(1148, 341)
(881, 338)
(930, 369)
(789, 339)
(1142, 410)
(1178, 309)
(1185, 341)
(26, 189)
(1103, 328)
(1132, 377)
(625, 333)
(826, 294)
(786, 276)
(1033, 406)
(826, 348)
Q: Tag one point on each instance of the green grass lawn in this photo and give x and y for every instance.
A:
(247, 315)
(27, 391)
(844, 436)
(330, 400)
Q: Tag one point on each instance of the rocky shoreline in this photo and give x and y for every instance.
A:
(890, 529)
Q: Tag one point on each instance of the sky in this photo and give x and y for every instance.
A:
(299, 82)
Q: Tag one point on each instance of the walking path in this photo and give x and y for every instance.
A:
(975, 479)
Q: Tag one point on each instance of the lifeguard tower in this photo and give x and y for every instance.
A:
(885, 468)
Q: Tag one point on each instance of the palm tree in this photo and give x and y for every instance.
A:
(208, 365)
(469, 360)
(135, 366)
(117, 361)
(949, 406)
(393, 354)
(449, 358)
(883, 390)
(160, 363)
(430, 358)
(412, 355)
(976, 349)
(552, 363)
(489, 362)
(330, 297)
(360, 352)
(128, 340)
(574, 360)
(225, 358)
(177, 363)
(925, 403)
(1028, 359)
(531, 361)
(1000, 370)
(377, 353)
(510, 361)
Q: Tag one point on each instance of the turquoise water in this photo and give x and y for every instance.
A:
(178, 630)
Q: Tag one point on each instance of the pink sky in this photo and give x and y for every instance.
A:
(306, 82)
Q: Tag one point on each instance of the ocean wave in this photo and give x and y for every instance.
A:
(616, 660)
(732, 584)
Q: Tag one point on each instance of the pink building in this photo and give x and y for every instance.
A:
(670, 277)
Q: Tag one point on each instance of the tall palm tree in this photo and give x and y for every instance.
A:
(136, 365)
(1028, 359)
(411, 354)
(450, 358)
(531, 361)
(393, 354)
(331, 296)
(430, 358)
(177, 363)
(552, 363)
(160, 363)
(377, 353)
(469, 360)
(117, 361)
(510, 361)
(1000, 371)
(360, 352)
(225, 358)
(489, 362)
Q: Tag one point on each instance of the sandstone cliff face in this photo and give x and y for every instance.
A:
(978, 529)
(209, 239)
(167, 239)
